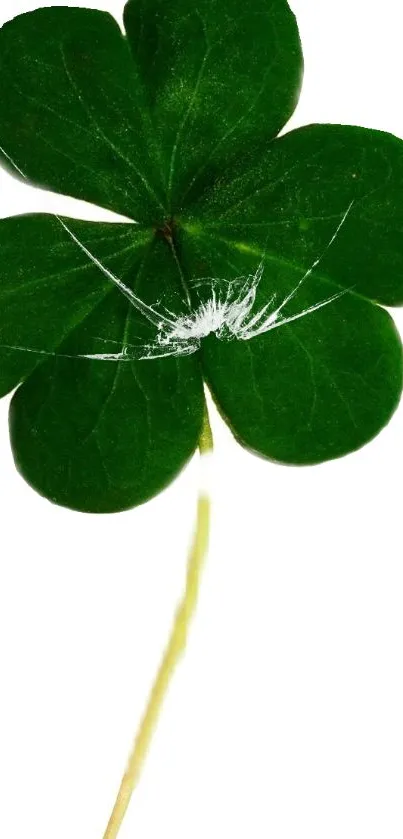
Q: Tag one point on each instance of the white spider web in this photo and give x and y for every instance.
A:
(224, 308)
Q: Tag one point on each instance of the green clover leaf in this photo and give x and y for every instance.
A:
(257, 265)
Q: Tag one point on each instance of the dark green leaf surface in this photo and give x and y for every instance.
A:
(221, 78)
(102, 436)
(310, 390)
(305, 393)
(48, 285)
(292, 199)
(72, 110)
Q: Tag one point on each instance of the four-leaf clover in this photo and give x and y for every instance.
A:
(256, 265)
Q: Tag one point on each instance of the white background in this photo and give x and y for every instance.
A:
(285, 718)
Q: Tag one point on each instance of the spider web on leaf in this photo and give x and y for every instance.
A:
(224, 308)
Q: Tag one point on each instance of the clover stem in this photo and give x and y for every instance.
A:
(175, 648)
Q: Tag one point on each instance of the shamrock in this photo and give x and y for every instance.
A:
(253, 263)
